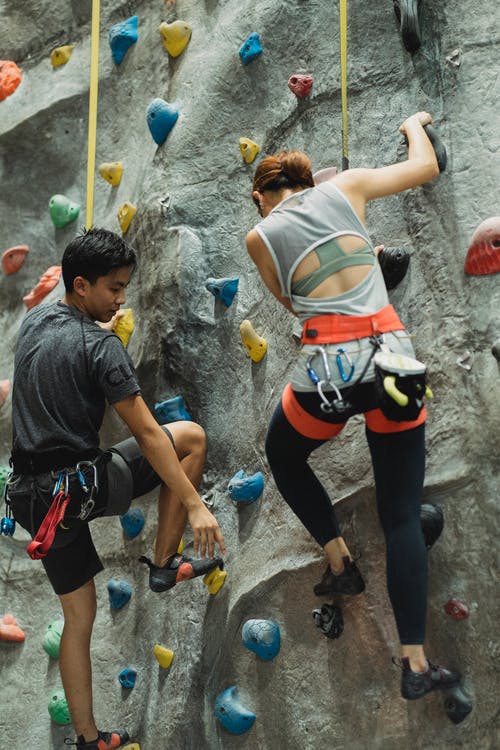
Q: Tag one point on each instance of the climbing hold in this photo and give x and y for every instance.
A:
(13, 258)
(119, 593)
(256, 346)
(223, 289)
(161, 117)
(48, 281)
(58, 708)
(52, 638)
(250, 49)
(62, 210)
(4, 391)
(231, 714)
(124, 326)
(164, 656)
(111, 171)
(127, 678)
(7, 526)
(215, 580)
(407, 15)
(5, 473)
(248, 149)
(483, 255)
(465, 361)
(438, 146)
(60, 55)
(133, 746)
(246, 489)
(122, 36)
(262, 637)
(432, 522)
(10, 78)
(455, 57)
(10, 630)
(456, 609)
(175, 36)
(300, 84)
(394, 262)
(329, 620)
(172, 410)
(180, 548)
(457, 704)
(132, 522)
(126, 213)
(495, 350)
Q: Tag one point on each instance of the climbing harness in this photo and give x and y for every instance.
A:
(343, 78)
(92, 128)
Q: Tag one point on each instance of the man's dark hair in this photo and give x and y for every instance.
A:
(95, 253)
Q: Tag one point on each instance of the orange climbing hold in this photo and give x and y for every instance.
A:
(14, 258)
(47, 282)
(10, 630)
(4, 391)
(10, 78)
(483, 255)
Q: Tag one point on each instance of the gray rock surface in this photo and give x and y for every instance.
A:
(316, 692)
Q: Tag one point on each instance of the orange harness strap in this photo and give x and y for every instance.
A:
(335, 329)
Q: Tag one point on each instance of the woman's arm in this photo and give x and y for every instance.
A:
(265, 266)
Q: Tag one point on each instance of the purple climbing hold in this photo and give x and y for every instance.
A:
(119, 593)
(172, 410)
(250, 49)
(122, 36)
(132, 522)
(223, 289)
(161, 117)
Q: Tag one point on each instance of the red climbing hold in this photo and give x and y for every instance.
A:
(483, 255)
(14, 258)
(4, 391)
(300, 84)
(10, 630)
(456, 609)
(47, 282)
(10, 78)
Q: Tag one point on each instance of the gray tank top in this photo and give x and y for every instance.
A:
(299, 224)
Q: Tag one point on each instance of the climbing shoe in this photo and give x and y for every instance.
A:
(416, 684)
(347, 582)
(178, 568)
(104, 741)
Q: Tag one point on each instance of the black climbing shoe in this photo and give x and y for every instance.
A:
(394, 262)
(407, 14)
(432, 520)
(104, 741)
(347, 582)
(178, 568)
(416, 684)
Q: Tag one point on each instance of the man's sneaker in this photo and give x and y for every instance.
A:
(347, 582)
(178, 568)
(416, 684)
(104, 741)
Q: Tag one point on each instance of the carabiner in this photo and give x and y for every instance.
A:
(342, 353)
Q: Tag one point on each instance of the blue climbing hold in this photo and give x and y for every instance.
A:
(246, 489)
(172, 410)
(127, 678)
(223, 289)
(132, 522)
(162, 117)
(7, 526)
(119, 593)
(122, 36)
(231, 714)
(250, 49)
(262, 637)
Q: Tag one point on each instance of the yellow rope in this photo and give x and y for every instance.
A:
(94, 83)
(343, 80)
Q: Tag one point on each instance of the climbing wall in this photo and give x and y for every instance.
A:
(191, 196)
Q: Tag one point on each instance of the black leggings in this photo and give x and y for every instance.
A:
(398, 463)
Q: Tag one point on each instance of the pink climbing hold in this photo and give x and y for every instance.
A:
(13, 258)
(10, 630)
(10, 78)
(4, 391)
(483, 255)
(300, 84)
(456, 609)
(48, 281)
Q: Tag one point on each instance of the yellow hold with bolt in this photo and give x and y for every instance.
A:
(61, 55)
(111, 171)
(249, 149)
(175, 36)
(126, 213)
(164, 656)
(256, 346)
(124, 326)
(215, 580)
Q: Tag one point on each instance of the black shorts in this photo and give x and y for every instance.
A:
(72, 560)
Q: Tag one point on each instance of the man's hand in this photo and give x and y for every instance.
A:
(206, 531)
(110, 325)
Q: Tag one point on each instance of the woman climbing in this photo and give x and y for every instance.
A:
(314, 254)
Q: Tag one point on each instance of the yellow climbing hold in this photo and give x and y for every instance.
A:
(180, 548)
(249, 149)
(112, 172)
(164, 656)
(133, 746)
(124, 326)
(256, 346)
(61, 55)
(215, 580)
(175, 36)
(126, 213)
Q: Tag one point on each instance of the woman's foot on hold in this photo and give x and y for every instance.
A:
(178, 568)
(348, 581)
(417, 684)
(104, 741)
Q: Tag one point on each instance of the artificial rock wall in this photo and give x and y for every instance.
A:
(338, 694)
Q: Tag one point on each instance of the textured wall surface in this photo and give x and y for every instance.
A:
(340, 694)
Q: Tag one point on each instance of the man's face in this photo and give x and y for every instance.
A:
(104, 298)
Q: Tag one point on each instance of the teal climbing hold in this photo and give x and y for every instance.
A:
(122, 36)
(62, 210)
(161, 117)
(52, 638)
(127, 678)
(58, 708)
(132, 522)
(246, 489)
(172, 410)
(231, 714)
(223, 289)
(262, 637)
(119, 593)
(251, 48)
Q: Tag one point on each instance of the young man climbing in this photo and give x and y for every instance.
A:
(67, 367)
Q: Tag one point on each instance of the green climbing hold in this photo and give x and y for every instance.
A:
(52, 638)
(62, 210)
(58, 708)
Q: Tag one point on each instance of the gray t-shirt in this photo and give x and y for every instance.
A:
(66, 368)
